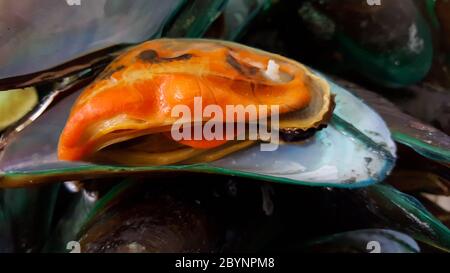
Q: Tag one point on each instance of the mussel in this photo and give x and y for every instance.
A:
(346, 154)
(389, 44)
(134, 100)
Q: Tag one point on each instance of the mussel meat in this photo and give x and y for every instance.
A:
(126, 116)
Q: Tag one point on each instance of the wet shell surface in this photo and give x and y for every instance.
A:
(354, 150)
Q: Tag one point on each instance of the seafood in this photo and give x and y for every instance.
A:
(132, 101)
(390, 44)
(354, 150)
(124, 217)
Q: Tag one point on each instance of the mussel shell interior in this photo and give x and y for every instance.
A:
(348, 153)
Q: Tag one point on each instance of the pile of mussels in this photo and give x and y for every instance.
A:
(364, 168)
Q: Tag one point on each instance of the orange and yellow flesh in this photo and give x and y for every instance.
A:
(135, 95)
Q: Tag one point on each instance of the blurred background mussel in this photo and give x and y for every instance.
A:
(219, 214)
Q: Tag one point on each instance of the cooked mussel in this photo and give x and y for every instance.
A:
(134, 99)
(347, 153)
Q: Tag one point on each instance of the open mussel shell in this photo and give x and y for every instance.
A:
(354, 150)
